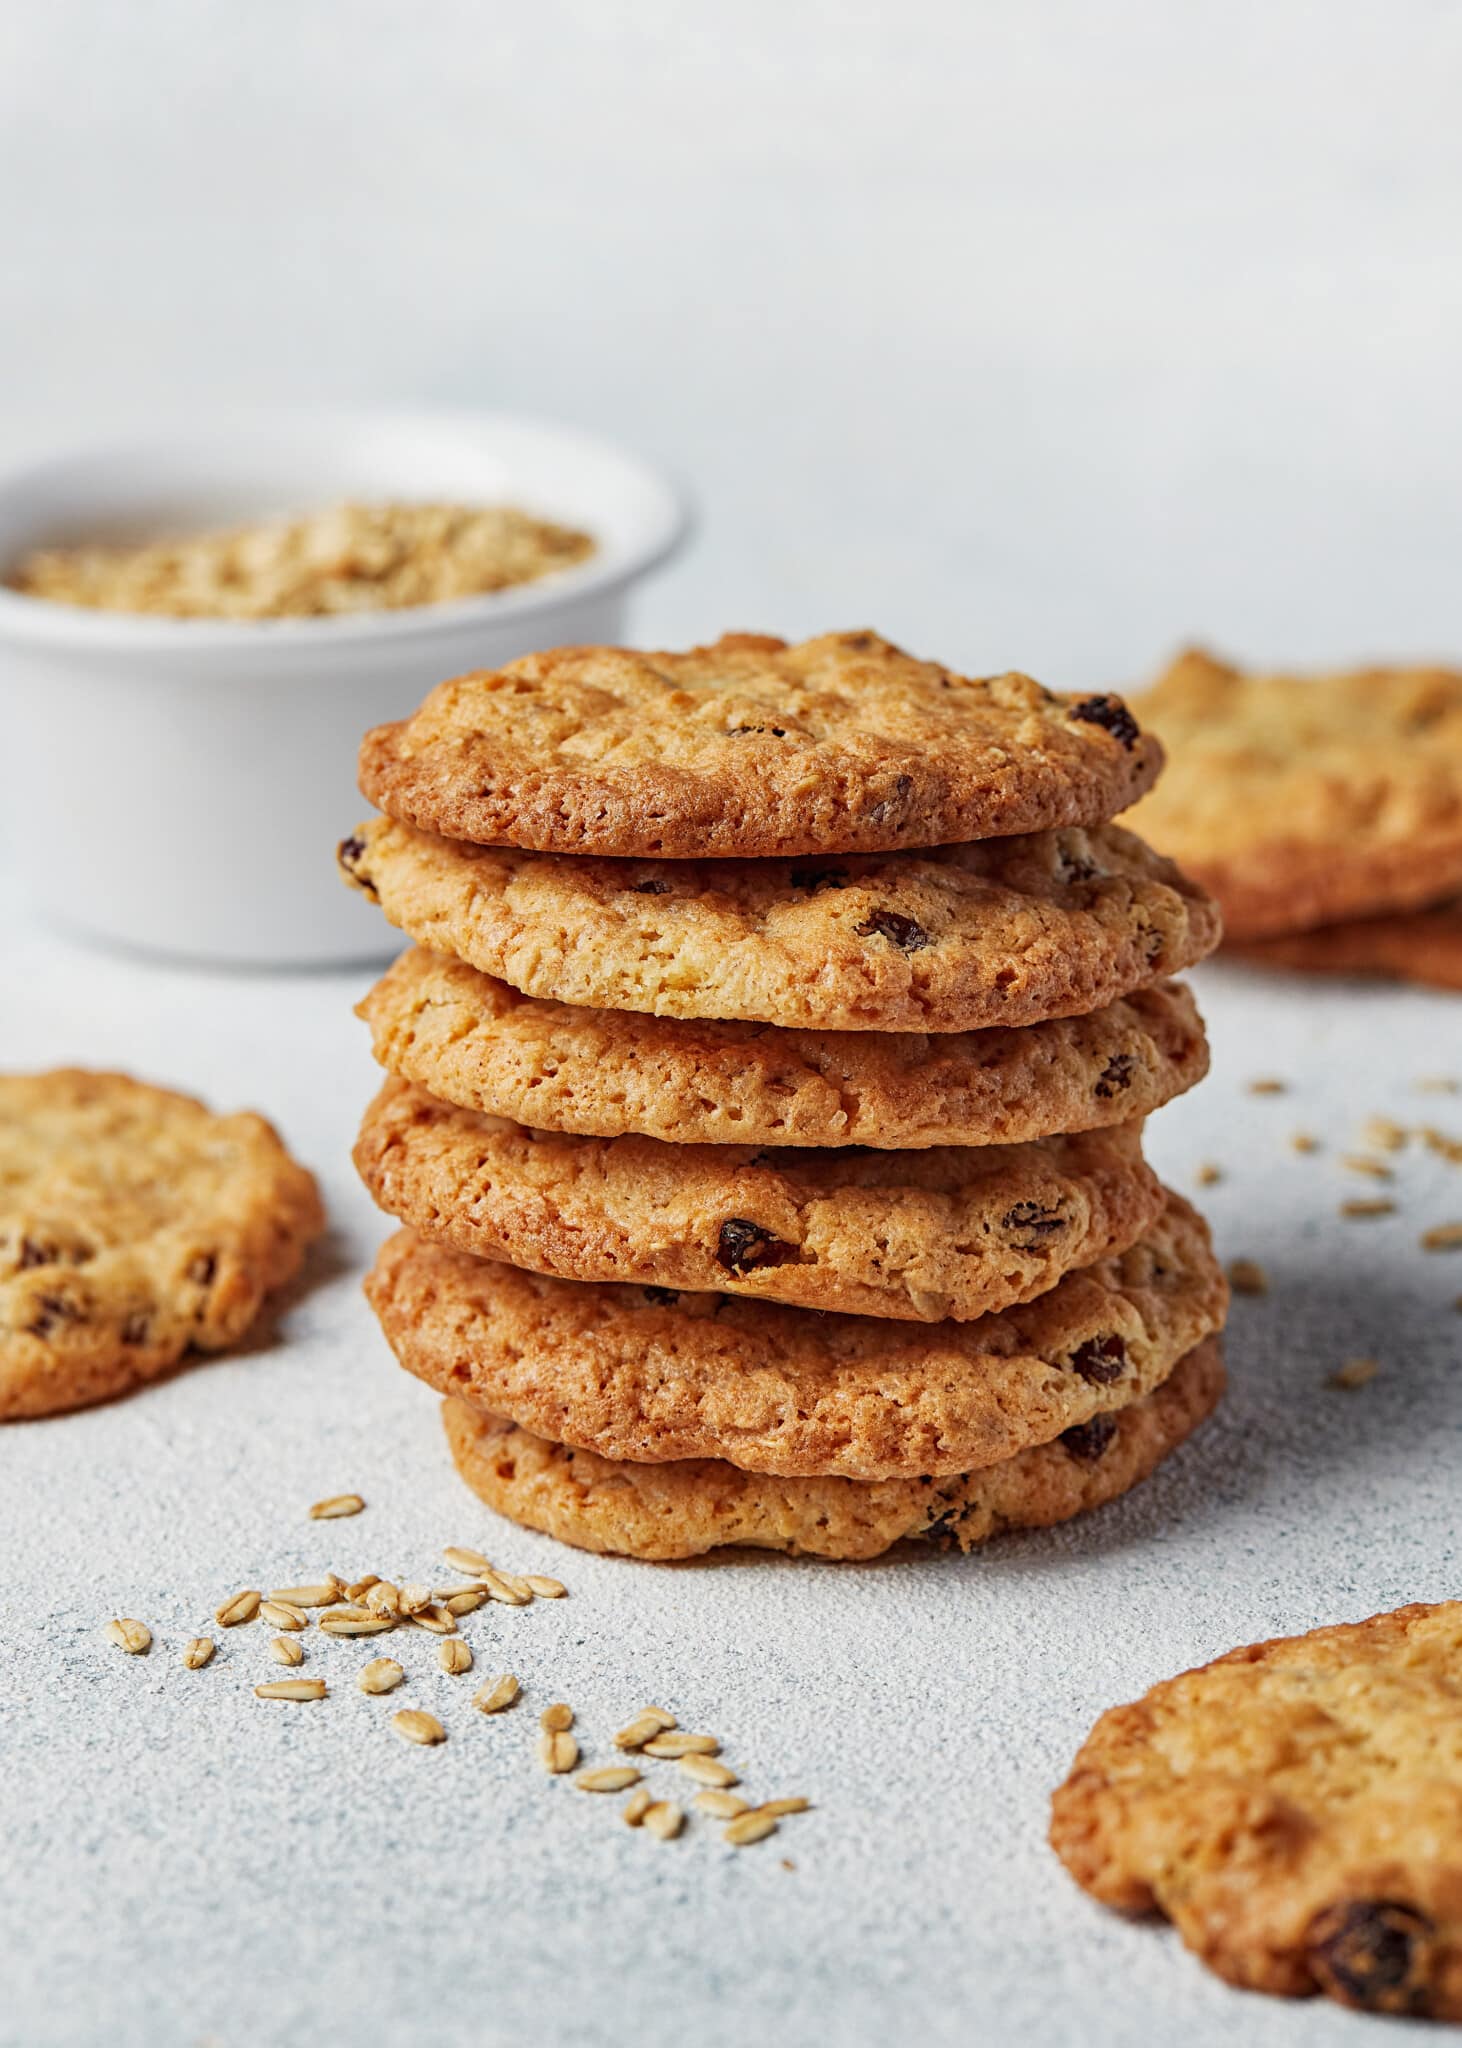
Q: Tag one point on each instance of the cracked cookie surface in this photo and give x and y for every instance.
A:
(751, 747)
(1295, 1808)
(699, 1505)
(1006, 932)
(649, 1374)
(476, 1041)
(953, 1231)
(1308, 800)
(135, 1226)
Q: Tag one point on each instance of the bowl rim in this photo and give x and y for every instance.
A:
(42, 621)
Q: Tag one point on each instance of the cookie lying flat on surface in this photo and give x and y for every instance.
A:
(650, 1375)
(1424, 946)
(950, 1231)
(686, 1509)
(1012, 931)
(134, 1226)
(1302, 801)
(476, 1041)
(1295, 1809)
(751, 747)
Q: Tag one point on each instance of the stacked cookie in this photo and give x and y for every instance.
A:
(1324, 812)
(765, 1096)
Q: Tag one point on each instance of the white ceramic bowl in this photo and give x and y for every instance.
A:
(179, 784)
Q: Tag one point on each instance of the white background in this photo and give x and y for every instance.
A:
(1032, 334)
(1038, 334)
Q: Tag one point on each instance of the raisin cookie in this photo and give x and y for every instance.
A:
(1303, 801)
(1011, 931)
(134, 1226)
(687, 1509)
(751, 747)
(651, 1375)
(955, 1231)
(475, 1041)
(1422, 946)
(1295, 1809)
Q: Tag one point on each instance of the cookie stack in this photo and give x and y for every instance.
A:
(1324, 813)
(765, 1096)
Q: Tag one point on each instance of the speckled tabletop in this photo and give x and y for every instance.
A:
(186, 1865)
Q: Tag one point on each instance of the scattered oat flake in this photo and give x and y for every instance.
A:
(466, 1602)
(1356, 1372)
(637, 1806)
(325, 1594)
(471, 1563)
(545, 1587)
(413, 1725)
(336, 1507)
(608, 1778)
(1384, 1132)
(292, 1689)
(383, 1598)
(1305, 1141)
(777, 1807)
(454, 1656)
(720, 1805)
(1208, 1175)
(283, 1614)
(557, 1752)
(648, 1723)
(356, 1624)
(358, 1588)
(707, 1771)
(1446, 1148)
(1267, 1085)
(1442, 1237)
(497, 1694)
(440, 1620)
(382, 1674)
(509, 1592)
(1373, 1169)
(242, 1607)
(285, 1650)
(675, 1743)
(1247, 1276)
(1368, 1207)
(135, 1637)
(198, 1652)
(1438, 1084)
(664, 1819)
(750, 1827)
(556, 1718)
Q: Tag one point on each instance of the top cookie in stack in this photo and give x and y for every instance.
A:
(814, 974)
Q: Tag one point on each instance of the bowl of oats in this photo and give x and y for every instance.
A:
(196, 629)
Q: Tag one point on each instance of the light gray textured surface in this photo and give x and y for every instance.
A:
(185, 1865)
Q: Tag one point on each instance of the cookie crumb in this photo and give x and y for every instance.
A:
(1247, 1276)
(1356, 1372)
(1268, 1085)
(1367, 1207)
(1208, 1175)
(1442, 1237)
(1305, 1141)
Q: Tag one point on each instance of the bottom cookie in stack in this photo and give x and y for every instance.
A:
(690, 1506)
(735, 1421)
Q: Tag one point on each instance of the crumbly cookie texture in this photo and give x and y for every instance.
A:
(751, 747)
(954, 1231)
(687, 1509)
(1302, 801)
(1423, 946)
(1006, 932)
(651, 1375)
(135, 1226)
(474, 1040)
(353, 558)
(1295, 1809)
